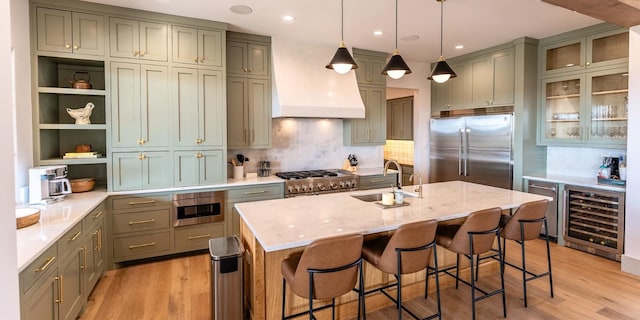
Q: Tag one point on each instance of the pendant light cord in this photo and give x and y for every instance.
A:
(441, 24)
(342, 20)
(396, 24)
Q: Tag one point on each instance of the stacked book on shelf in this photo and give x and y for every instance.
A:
(81, 155)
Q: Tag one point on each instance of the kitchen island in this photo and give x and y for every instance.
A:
(272, 230)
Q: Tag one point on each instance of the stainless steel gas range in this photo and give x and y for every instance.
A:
(312, 182)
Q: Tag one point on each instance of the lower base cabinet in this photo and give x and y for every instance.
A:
(58, 283)
(247, 194)
(378, 181)
(196, 237)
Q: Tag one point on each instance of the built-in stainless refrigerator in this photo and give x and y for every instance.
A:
(472, 148)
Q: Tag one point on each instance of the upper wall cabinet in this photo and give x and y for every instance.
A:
(197, 46)
(70, 32)
(198, 106)
(140, 105)
(138, 39)
(585, 51)
(400, 119)
(248, 59)
(369, 70)
(485, 79)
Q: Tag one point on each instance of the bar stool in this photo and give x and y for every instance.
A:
(474, 237)
(326, 269)
(408, 250)
(522, 226)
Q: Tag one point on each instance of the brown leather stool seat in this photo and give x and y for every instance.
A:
(524, 225)
(326, 269)
(408, 250)
(473, 237)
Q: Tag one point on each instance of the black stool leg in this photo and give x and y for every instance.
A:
(284, 287)
(457, 269)
(504, 295)
(546, 238)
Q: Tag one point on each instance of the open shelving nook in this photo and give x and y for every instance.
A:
(57, 131)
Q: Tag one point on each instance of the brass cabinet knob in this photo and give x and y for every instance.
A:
(76, 47)
(195, 59)
(199, 155)
(136, 53)
(199, 141)
(68, 46)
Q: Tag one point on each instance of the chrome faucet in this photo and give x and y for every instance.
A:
(386, 167)
(419, 188)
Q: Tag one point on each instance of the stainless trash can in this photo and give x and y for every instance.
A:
(226, 278)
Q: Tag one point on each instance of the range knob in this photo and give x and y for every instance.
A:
(342, 185)
(304, 188)
(348, 183)
(321, 187)
(333, 185)
(297, 188)
(354, 184)
(291, 189)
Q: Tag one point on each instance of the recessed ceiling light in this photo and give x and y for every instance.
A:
(460, 46)
(288, 18)
(410, 38)
(378, 33)
(241, 9)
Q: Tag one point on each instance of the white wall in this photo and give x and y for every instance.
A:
(9, 297)
(631, 257)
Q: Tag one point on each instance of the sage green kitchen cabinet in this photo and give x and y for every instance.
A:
(196, 237)
(248, 194)
(248, 58)
(70, 32)
(585, 109)
(248, 112)
(141, 170)
(372, 130)
(140, 227)
(400, 119)
(451, 94)
(198, 167)
(198, 107)
(197, 46)
(94, 252)
(140, 105)
(492, 79)
(135, 39)
(598, 46)
(378, 181)
(370, 67)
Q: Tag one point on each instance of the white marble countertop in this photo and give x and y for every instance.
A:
(57, 219)
(572, 180)
(288, 223)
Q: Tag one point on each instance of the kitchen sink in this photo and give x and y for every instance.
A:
(376, 197)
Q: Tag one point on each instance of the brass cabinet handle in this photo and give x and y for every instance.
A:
(199, 237)
(135, 53)
(134, 246)
(199, 141)
(376, 180)
(46, 264)
(255, 192)
(75, 236)
(142, 221)
(97, 235)
(84, 258)
(199, 155)
(60, 290)
(97, 215)
(141, 156)
(133, 203)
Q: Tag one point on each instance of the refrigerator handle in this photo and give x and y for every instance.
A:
(460, 144)
(466, 156)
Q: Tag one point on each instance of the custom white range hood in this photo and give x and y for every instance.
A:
(304, 88)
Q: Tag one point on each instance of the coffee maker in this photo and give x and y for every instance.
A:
(613, 165)
(48, 184)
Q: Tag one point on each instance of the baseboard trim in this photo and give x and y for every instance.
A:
(630, 264)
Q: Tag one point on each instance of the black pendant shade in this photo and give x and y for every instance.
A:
(342, 57)
(442, 71)
(396, 63)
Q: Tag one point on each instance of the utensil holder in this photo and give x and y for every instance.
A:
(238, 172)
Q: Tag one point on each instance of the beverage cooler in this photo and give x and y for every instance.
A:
(594, 221)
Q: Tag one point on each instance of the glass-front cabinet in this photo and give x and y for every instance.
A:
(586, 108)
(602, 49)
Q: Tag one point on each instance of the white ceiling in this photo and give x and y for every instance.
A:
(475, 23)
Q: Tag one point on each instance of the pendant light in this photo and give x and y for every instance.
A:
(342, 61)
(396, 68)
(441, 71)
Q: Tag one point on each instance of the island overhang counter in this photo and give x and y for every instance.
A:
(272, 230)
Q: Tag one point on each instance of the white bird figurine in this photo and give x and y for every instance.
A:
(82, 114)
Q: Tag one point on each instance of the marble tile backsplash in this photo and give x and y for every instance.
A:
(579, 162)
(303, 144)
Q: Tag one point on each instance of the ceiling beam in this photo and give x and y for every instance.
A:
(624, 13)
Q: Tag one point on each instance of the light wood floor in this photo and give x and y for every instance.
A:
(585, 287)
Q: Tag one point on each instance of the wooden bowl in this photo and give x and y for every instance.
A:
(82, 185)
(26, 217)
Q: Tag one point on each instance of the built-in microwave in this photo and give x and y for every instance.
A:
(198, 207)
